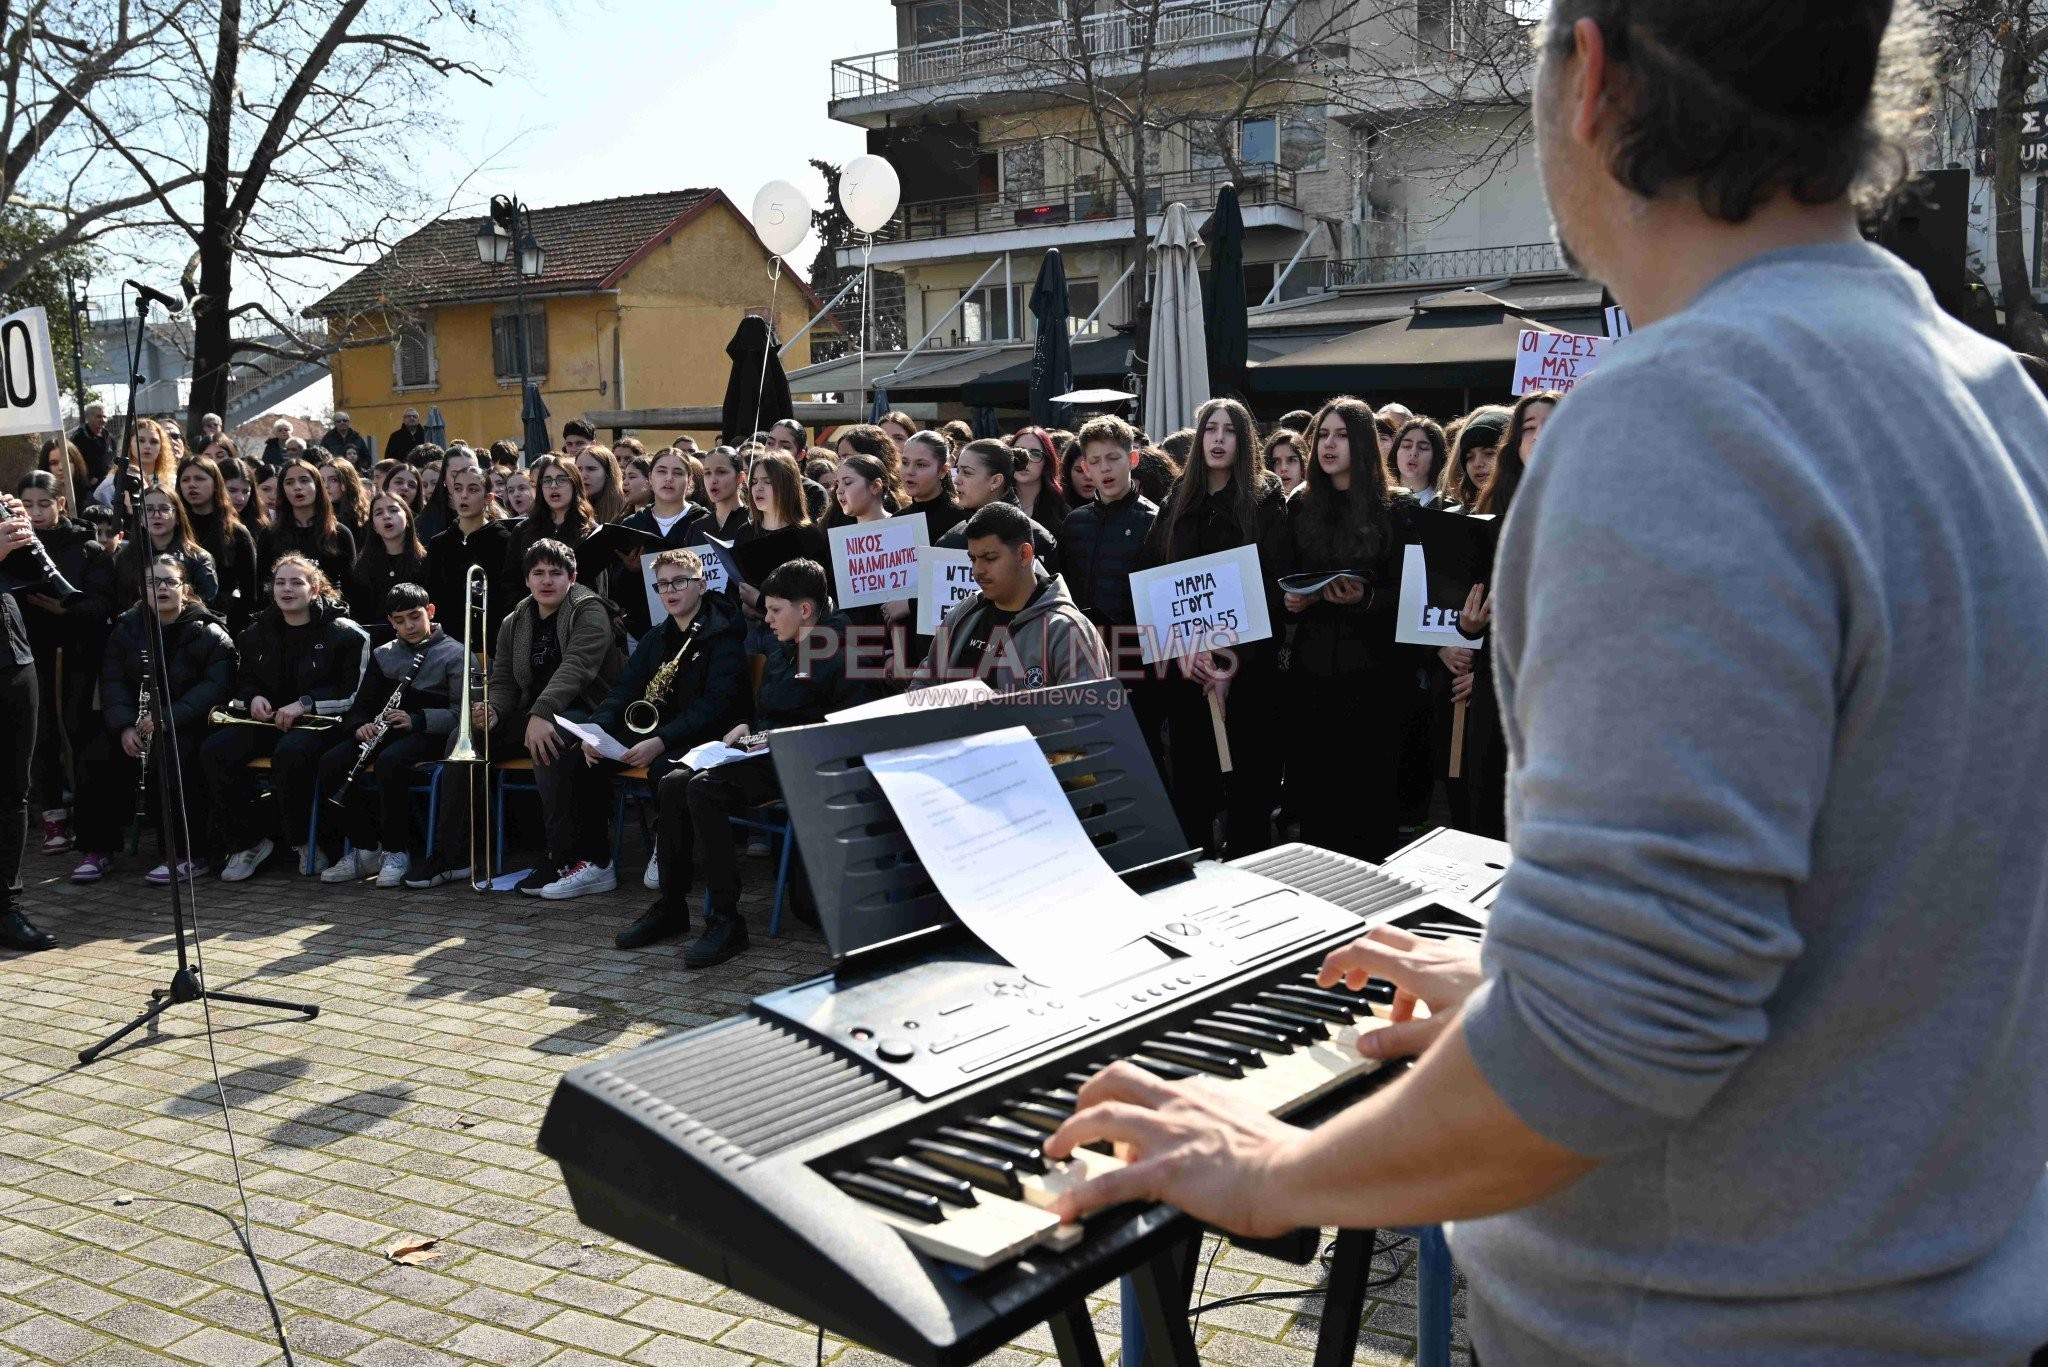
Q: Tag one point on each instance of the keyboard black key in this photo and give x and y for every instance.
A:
(1243, 1032)
(1324, 1011)
(1038, 1115)
(1005, 1128)
(1166, 1068)
(1342, 1001)
(867, 1187)
(1060, 1098)
(1299, 1028)
(1202, 1060)
(1246, 1055)
(904, 1173)
(989, 1173)
(1024, 1157)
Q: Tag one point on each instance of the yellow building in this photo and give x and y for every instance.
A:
(633, 309)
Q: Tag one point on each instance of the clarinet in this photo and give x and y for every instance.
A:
(369, 746)
(148, 737)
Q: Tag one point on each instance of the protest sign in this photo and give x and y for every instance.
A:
(876, 562)
(1618, 325)
(1208, 603)
(1449, 554)
(945, 581)
(1557, 360)
(29, 401)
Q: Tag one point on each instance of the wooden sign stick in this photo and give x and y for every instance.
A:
(1222, 736)
(1458, 737)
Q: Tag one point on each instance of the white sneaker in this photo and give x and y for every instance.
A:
(354, 867)
(651, 880)
(757, 845)
(244, 863)
(579, 879)
(396, 867)
(319, 862)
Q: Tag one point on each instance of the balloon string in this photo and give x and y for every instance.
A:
(761, 389)
(867, 289)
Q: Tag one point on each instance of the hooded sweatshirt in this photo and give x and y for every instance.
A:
(1046, 643)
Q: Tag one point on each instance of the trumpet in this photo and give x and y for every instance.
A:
(476, 605)
(228, 716)
(643, 714)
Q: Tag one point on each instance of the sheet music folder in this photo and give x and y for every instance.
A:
(870, 888)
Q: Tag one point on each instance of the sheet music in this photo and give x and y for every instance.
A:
(597, 739)
(1000, 840)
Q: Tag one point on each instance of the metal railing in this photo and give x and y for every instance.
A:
(1467, 263)
(1086, 201)
(1036, 54)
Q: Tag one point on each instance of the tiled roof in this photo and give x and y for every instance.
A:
(587, 246)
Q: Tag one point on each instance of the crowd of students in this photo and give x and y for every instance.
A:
(321, 613)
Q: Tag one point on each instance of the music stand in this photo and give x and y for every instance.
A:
(186, 985)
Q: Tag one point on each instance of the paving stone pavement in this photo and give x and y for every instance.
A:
(409, 1108)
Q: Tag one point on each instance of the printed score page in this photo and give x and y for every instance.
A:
(1000, 840)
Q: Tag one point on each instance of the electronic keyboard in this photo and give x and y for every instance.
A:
(864, 1150)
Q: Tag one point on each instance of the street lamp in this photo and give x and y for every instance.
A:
(511, 222)
(80, 309)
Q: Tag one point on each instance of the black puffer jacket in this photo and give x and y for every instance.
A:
(1044, 544)
(339, 654)
(201, 665)
(1102, 545)
(708, 695)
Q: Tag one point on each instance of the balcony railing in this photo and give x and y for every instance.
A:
(1037, 54)
(1103, 200)
(1469, 263)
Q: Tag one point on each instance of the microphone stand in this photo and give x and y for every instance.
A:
(186, 985)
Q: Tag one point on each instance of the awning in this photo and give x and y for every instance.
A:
(1465, 340)
(934, 369)
(1100, 364)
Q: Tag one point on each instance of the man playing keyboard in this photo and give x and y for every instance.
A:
(1753, 1067)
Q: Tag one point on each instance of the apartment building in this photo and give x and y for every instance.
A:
(1378, 149)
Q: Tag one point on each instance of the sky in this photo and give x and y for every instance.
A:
(627, 96)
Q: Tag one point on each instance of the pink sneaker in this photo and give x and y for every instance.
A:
(56, 832)
(92, 868)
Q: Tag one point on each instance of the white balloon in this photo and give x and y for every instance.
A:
(782, 216)
(869, 192)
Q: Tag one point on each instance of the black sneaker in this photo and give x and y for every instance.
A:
(434, 873)
(724, 937)
(659, 922)
(542, 875)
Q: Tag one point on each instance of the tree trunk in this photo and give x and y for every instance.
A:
(2025, 329)
(212, 323)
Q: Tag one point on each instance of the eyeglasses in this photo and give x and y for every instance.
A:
(676, 585)
(555, 481)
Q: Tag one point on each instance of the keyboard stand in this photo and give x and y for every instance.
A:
(1344, 1297)
(1073, 1333)
(1163, 1287)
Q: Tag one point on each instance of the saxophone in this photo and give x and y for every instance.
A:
(643, 716)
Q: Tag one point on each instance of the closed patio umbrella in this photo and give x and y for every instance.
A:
(533, 419)
(1052, 364)
(1178, 356)
(1229, 330)
(757, 394)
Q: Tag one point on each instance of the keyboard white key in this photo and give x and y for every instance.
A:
(986, 1234)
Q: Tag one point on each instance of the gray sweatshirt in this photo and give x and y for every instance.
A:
(1772, 628)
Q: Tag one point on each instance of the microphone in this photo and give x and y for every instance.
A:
(174, 307)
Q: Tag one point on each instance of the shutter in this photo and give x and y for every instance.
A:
(537, 338)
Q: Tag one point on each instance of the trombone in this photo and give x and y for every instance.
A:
(476, 607)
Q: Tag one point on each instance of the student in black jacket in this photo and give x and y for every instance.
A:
(805, 679)
(202, 487)
(1345, 671)
(200, 660)
(669, 515)
(985, 473)
(1103, 542)
(71, 630)
(473, 537)
(167, 531)
(391, 554)
(26, 570)
(702, 643)
(1224, 500)
(301, 657)
(305, 525)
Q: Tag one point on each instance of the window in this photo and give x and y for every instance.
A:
(1083, 297)
(1301, 140)
(1259, 144)
(505, 342)
(935, 23)
(1023, 173)
(990, 314)
(413, 361)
